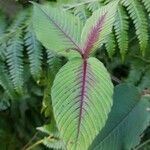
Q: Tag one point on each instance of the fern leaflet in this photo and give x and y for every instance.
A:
(136, 11)
(14, 56)
(34, 50)
(121, 29)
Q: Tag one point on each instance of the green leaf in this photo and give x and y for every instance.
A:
(3, 24)
(110, 45)
(137, 14)
(81, 12)
(2, 31)
(81, 99)
(147, 5)
(98, 26)
(94, 6)
(20, 19)
(14, 58)
(5, 81)
(34, 50)
(126, 122)
(57, 29)
(53, 143)
(121, 27)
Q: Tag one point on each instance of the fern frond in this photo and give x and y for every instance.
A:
(147, 5)
(81, 12)
(93, 6)
(110, 45)
(2, 50)
(5, 81)
(14, 56)
(53, 61)
(137, 14)
(3, 24)
(19, 21)
(121, 27)
(34, 50)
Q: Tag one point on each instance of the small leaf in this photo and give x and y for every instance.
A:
(126, 122)
(97, 27)
(57, 29)
(81, 99)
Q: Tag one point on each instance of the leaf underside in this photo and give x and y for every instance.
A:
(81, 98)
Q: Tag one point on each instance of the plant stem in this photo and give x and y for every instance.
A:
(34, 145)
(32, 139)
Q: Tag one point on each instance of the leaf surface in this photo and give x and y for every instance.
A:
(56, 29)
(81, 98)
(97, 27)
(126, 122)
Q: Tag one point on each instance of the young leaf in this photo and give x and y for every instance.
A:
(57, 29)
(81, 99)
(97, 27)
(127, 121)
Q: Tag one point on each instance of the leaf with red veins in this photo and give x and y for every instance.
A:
(82, 98)
(93, 36)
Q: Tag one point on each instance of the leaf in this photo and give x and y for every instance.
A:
(34, 50)
(81, 12)
(54, 62)
(126, 122)
(94, 6)
(97, 27)
(19, 21)
(55, 144)
(121, 27)
(3, 24)
(14, 56)
(147, 5)
(56, 29)
(81, 99)
(137, 14)
(5, 81)
(110, 45)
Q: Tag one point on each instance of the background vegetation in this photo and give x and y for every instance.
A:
(27, 69)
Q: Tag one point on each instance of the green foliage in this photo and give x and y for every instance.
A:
(14, 56)
(65, 35)
(108, 12)
(34, 51)
(78, 133)
(128, 104)
(137, 14)
(121, 29)
(110, 45)
(28, 70)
